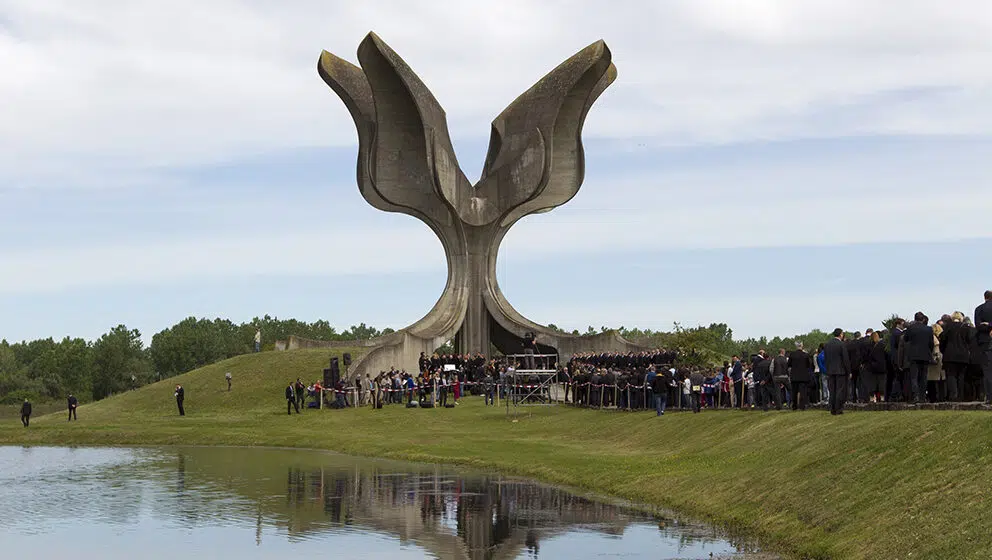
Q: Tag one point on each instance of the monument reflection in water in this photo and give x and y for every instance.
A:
(210, 502)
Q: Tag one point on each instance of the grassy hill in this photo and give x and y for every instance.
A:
(862, 485)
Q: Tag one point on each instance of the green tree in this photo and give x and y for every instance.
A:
(117, 356)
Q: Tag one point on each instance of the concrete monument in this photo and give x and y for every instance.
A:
(406, 164)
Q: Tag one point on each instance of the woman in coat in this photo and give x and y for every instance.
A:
(876, 368)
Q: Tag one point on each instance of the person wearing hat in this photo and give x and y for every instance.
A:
(26, 413)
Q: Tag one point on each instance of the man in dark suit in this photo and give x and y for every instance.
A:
(800, 372)
(983, 325)
(918, 352)
(955, 347)
(865, 375)
(765, 383)
(291, 399)
(838, 371)
(780, 375)
(180, 397)
(72, 402)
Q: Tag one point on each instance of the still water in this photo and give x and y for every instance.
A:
(203, 502)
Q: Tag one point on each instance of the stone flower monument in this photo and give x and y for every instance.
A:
(406, 164)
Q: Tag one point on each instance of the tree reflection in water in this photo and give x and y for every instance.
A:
(313, 496)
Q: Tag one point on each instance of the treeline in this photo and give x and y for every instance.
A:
(119, 360)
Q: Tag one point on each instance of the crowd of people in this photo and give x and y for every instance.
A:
(912, 362)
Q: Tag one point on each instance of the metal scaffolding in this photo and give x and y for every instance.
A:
(532, 383)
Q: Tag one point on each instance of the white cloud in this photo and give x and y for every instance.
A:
(326, 252)
(144, 84)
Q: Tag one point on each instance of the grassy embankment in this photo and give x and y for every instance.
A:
(861, 485)
(8, 411)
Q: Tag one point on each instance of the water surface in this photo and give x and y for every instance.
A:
(206, 502)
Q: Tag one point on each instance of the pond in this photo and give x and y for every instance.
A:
(210, 502)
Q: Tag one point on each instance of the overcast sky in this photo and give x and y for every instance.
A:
(775, 165)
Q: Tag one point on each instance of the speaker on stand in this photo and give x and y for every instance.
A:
(346, 357)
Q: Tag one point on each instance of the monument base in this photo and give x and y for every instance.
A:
(401, 350)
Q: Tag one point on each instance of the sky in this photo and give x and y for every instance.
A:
(778, 166)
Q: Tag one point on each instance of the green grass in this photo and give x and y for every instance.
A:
(861, 485)
(37, 409)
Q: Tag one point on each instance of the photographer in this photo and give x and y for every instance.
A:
(530, 347)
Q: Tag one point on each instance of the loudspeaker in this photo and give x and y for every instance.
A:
(347, 359)
(332, 374)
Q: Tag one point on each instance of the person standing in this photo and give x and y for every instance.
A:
(72, 402)
(821, 365)
(227, 376)
(26, 413)
(291, 399)
(838, 365)
(258, 340)
(955, 346)
(983, 336)
(780, 374)
(530, 348)
(301, 394)
(853, 347)
(180, 397)
(918, 342)
(800, 371)
(487, 388)
(894, 389)
(876, 369)
(768, 392)
(737, 381)
(696, 380)
(659, 385)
